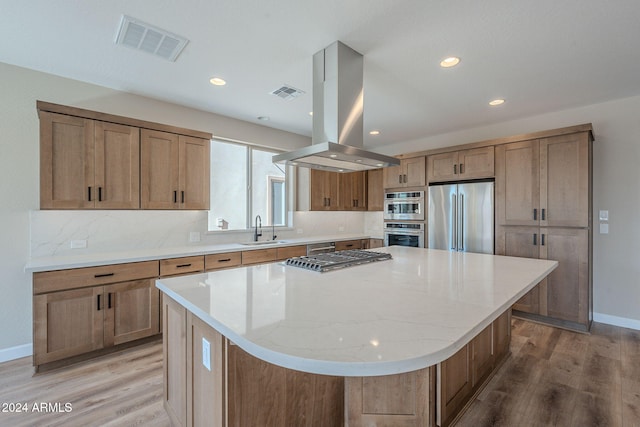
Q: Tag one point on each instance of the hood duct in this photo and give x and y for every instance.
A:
(338, 99)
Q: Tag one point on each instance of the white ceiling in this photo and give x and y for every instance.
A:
(539, 55)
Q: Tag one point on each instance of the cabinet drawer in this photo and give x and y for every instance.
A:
(190, 264)
(260, 255)
(224, 260)
(349, 244)
(291, 251)
(50, 281)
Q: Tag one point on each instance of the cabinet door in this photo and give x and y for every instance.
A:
(66, 162)
(443, 167)
(159, 154)
(375, 190)
(117, 166)
(568, 284)
(348, 244)
(324, 190)
(521, 242)
(194, 173)
(174, 352)
(393, 176)
(67, 323)
(131, 311)
(476, 163)
(454, 385)
(518, 183)
(564, 180)
(501, 336)
(415, 172)
(482, 355)
(352, 194)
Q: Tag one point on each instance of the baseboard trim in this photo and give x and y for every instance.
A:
(616, 321)
(17, 352)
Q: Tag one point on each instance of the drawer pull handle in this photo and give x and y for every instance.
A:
(224, 260)
(183, 265)
(103, 275)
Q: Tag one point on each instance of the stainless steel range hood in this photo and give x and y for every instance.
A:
(338, 99)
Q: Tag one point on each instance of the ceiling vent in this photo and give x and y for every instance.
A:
(287, 92)
(147, 38)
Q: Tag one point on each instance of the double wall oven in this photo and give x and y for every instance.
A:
(404, 215)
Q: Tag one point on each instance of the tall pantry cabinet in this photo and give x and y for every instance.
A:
(543, 210)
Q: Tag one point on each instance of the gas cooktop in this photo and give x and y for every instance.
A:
(335, 260)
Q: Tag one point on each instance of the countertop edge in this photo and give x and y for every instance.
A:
(351, 369)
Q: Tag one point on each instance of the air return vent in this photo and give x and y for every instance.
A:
(147, 38)
(287, 92)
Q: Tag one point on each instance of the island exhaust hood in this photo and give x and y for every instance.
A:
(338, 99)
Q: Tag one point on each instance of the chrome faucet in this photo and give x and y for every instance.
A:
(255, 233)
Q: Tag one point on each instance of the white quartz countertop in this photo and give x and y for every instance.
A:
(383, 318)
(149, 254)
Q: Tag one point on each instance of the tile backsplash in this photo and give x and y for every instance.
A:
(111, 230)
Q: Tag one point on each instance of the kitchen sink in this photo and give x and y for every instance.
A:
(264, 242)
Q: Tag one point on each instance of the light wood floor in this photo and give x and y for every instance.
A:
(553, 378)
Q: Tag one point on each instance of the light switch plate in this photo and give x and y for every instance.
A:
(604, 215)
(194, 236)
(604, 228)
(206, 354)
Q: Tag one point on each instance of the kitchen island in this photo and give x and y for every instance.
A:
(404, 341)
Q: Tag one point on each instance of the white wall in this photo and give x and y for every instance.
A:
(616, 187)
(19, 169)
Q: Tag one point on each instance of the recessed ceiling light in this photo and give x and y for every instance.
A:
(374, 132)
(217, 81)
(452, 61)
(264, 118)
(496, 102)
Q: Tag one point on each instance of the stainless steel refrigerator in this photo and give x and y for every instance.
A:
(461, 217)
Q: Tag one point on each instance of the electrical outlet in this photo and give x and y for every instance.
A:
(604, 228)
(604, 215)
(299, 230)
(78, 244)
(206, 354)
(194, 236)
(341, 228)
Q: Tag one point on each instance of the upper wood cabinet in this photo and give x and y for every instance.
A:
(410, 173)
(457, 165)
(174, 171)
(375, 190)
(324, 190)
(544, 182)
(93, 160)
(87, 164)
(352, 192)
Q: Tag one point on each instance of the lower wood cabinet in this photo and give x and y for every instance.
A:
(563, 298)
(110, 305)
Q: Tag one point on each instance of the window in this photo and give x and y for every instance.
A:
(244, 184)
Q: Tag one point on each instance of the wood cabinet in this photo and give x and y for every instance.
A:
(182, 265)
(290, 252)
(109, 306)
(324, 191)
(375, 190)
(543, 210)
(375, 243)
(87, 164)
(390, 400)
(259, 256)
(174, 171)
(222, 260)
(348, 244)
(544, 182)
(352, 193)
(463, 374)
(174, 359)
(474, 163)
(410, 173)
(94, 160)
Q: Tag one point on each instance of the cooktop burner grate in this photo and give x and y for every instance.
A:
(335, 260)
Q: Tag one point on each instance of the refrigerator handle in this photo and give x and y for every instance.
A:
(461, 236)
(454, 222)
